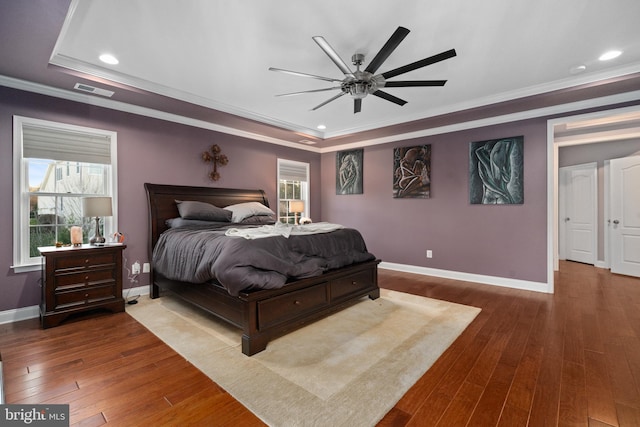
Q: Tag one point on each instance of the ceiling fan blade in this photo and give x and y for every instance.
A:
(419, 64)
(414, 83)
(334, 56)
(357, 105)
(299, 74)
(387, 49)
(389, 97)
(328, 101)
(310, 91)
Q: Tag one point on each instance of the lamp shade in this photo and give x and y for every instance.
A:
(296, 206)
(96, 206)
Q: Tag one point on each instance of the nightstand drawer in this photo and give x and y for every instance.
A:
(64, 281)
(84, 296)
(84, 261)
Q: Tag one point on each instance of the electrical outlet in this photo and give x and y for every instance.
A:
(135, 268)
(429, 253)
(146, 267)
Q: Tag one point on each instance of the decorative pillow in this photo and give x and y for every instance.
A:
(247, 209)
(202, 211)
(259, 220)
(181, 222)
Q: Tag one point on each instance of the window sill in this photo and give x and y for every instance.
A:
(26, 268)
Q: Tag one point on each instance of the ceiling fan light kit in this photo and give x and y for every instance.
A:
(360, 83)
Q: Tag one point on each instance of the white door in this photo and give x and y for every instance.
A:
(579, 216)
(625, 216)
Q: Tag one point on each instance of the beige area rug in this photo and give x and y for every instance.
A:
(348, 369)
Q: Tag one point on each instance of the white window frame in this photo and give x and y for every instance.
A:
(22, 262)
(304, 190)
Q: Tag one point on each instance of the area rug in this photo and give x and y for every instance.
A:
(348, 369)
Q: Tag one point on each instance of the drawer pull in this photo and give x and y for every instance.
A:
(86, 261)
(86, 277)
(296, 302)
(86, 295)
(354, 283)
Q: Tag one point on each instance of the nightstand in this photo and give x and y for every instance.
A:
(80, 279)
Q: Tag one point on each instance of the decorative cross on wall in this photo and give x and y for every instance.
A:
(214, 156)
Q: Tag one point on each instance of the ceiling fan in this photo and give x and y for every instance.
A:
(359, 84)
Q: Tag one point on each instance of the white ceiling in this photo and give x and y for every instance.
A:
(217, 53)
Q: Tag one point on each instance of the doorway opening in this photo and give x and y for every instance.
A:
(594, 128)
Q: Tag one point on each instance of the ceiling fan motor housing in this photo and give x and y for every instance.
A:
(362, 85)
(364, 82)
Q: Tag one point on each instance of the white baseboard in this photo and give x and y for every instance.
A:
(18, 314)
(25, 313)
(468, 277)
(602, 264)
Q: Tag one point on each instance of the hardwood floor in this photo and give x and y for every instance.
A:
(568, 359)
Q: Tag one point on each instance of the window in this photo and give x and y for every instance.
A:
(55, 165)
(293, 184)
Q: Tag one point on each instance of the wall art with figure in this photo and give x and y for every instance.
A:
(412, 172)
(349, 172)
(496, 171)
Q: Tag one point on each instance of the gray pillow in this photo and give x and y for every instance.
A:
(247, 209)
(181, 222)
(203, 211)
(259, 220)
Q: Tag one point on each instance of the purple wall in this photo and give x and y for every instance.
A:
(149, 150)
(503, 241)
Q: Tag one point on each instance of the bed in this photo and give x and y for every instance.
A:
(261, 314)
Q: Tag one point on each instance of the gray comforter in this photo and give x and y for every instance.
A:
(200, 254)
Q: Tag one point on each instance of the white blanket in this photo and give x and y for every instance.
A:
(284, 230)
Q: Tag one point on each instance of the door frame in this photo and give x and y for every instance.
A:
(553, 263)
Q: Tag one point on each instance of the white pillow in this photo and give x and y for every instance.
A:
(241, 211)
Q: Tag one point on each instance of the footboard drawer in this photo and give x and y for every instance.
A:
(285, 307)
(354, 283)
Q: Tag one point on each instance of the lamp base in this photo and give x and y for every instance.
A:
(98, 239)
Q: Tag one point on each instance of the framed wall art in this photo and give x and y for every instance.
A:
(349, 171)
(496, 171)
(412, 172)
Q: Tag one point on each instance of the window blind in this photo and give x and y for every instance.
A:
(56, 144)
(293, 171)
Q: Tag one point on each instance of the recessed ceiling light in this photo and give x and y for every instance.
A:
(577, 69)
(610, 55)
(107, 58)
(322, 127)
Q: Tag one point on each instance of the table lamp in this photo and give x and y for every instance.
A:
(296, 207)
(97, 207)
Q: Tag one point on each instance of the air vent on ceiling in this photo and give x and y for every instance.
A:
(93, 90)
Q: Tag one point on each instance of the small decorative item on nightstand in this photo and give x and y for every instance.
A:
(76, 236)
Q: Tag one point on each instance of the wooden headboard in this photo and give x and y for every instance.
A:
(162, 206)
